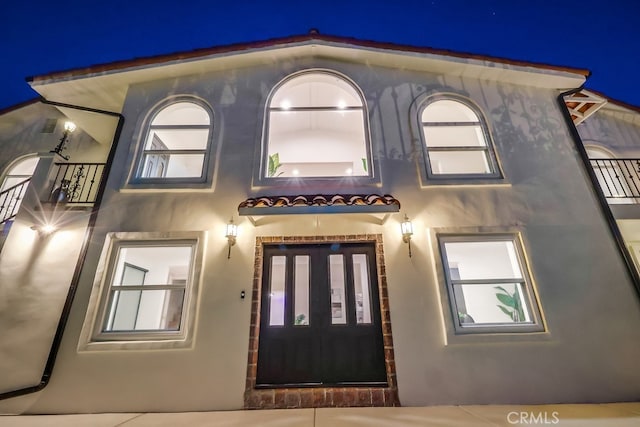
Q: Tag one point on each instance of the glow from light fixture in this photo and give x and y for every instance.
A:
(349, 171)
(342, 105)
(296, 172)
(69, 126)
(45, 229)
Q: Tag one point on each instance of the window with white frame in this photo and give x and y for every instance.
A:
(176, 144)
(147, 290)
(488, 285)
(456, 141)
(316, 127)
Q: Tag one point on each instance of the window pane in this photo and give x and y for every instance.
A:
(173, 165)
(318, 143)
(448, 110)
(25, 167)
(316, 90)
(336, 281)
(177, 139)
(146, 310)
(301, 291)
(482, 260)
(459, 162)
(182, 113)
(491, 303)
(362, 288)
(454, 136)
(276, 290)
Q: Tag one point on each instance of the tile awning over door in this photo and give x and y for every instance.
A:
(319, 204)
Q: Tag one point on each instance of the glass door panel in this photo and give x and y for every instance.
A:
(336, 284)
(276, 290)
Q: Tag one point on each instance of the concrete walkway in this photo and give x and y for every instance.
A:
(596, 415)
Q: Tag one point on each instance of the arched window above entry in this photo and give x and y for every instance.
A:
(456, 140)
(316, 127)
(177, 143)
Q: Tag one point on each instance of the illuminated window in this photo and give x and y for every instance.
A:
(316, 128)
(456, 141)
(176, 146)
(488, 285)
(148, 290)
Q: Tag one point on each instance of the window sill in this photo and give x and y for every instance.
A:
(144, 187)
(466, 182)
(139, 344)
(498, 338)
(317, 182)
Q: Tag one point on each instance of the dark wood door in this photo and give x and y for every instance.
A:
(320, 317)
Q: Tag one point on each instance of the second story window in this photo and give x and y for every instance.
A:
(316, 127)
(177, 144)
(456, 141)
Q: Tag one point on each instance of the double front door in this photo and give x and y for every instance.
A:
(320, 317)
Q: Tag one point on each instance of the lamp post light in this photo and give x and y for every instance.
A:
(69, 127)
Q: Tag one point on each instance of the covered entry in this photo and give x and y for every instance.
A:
(320, 322)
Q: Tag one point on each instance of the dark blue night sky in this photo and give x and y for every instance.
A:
(39, 37)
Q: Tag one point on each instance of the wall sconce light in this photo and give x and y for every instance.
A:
(232, 233)
(44, 230)
(407, 231)
(69, 127)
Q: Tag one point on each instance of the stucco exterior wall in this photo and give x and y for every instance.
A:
(587, 353)
(610, 131)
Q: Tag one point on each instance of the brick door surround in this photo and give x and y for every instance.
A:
(318, 397)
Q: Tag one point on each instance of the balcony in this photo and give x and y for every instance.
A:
(10, 200)
(619, 179)
(75, 184)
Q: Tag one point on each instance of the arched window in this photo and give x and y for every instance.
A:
(11, 192)
(456, 140)
(316, 128)
(177, 143)
(19, 171)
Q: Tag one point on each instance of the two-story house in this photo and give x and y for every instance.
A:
(305, 222)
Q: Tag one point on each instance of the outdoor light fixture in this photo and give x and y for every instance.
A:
(44, 230)
(69, 127)
(232, 233)
(407, 231)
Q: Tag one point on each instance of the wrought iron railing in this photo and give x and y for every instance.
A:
(76, 183)
(619, 179)
(10, 200)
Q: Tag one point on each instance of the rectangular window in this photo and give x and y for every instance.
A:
(147, 289)
(488, 285)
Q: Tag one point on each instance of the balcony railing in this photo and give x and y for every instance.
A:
(619, 179)
(10, 200)
(76, 183)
